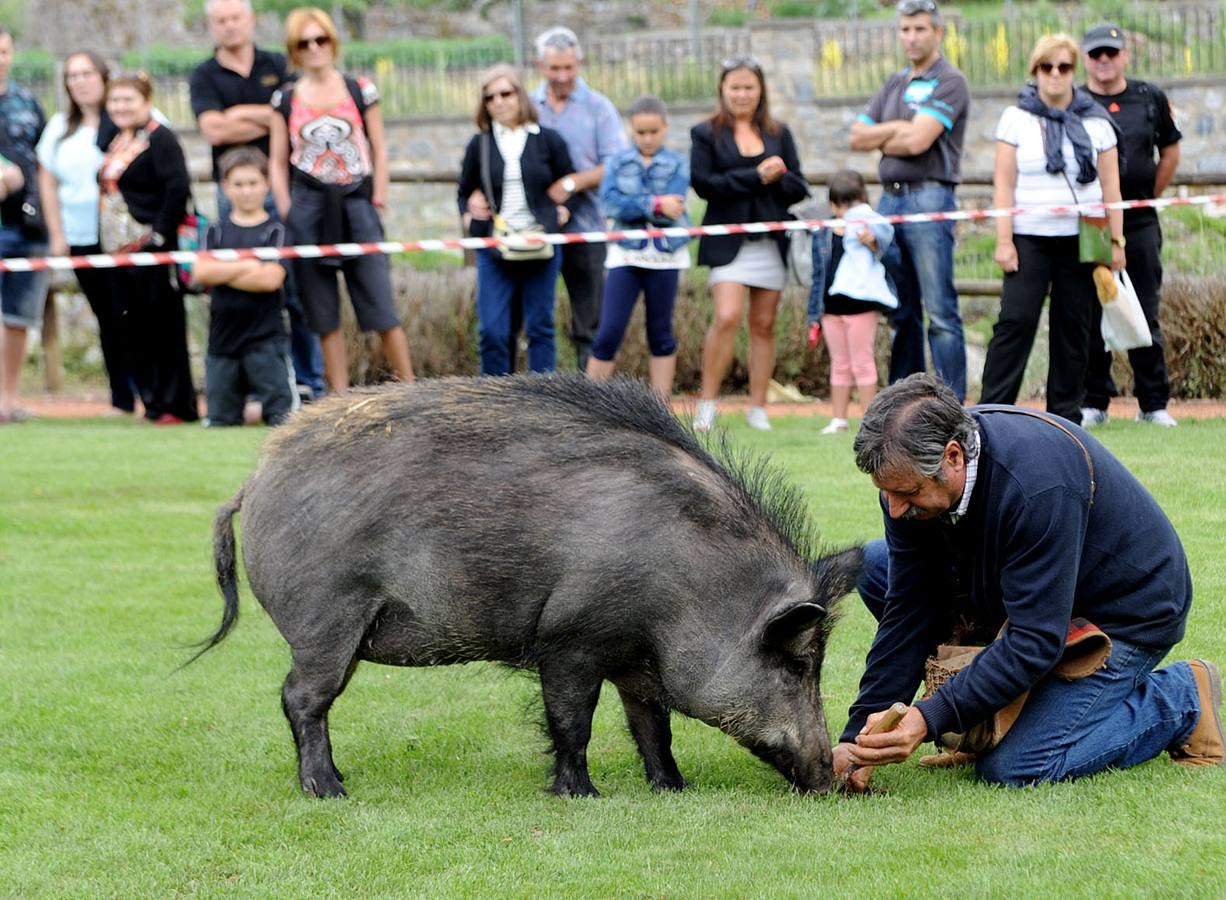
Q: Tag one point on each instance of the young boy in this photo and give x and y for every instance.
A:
(248, 342)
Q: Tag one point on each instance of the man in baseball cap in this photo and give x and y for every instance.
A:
(1148, 155)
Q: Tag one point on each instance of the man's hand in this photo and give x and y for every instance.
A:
(892, 746)
(857, 782)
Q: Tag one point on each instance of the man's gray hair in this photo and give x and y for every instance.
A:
(209, 4)
(909, 424)
(558, 38)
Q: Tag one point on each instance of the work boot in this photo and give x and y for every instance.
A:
(1206, 745)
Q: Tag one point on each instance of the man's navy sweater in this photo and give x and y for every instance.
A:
(1033, 549)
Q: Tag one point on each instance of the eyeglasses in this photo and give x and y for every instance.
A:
(500, 95)
(1100, 52)
(744, 61)
(914, 7)
(1062, 68)
(306, 43)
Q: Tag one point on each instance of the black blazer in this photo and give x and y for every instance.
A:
(734, 192)
(157, 187)
(545, 159)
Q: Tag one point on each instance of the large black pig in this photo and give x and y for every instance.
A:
(544, 522)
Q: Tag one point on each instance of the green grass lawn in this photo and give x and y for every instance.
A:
(120, 777)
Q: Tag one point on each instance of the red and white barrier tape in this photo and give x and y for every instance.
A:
(318, 251)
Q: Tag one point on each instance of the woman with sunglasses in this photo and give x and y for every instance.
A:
(328, 174)
(744, 164)
(510, 167)
(69, 158)
(1055, 147)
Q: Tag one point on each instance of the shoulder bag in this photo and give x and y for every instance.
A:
(514, 245)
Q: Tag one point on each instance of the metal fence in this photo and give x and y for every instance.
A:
(852, 57)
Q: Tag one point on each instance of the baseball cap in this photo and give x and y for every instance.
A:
(1104, 34)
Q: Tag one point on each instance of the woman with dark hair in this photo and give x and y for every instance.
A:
(509, 168)
(1056, 146)
(145, 191)
(744, 164)
(69, 158)
(328, 174)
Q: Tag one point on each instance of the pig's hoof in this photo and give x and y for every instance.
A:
(668, 783)
(325, 788)
(574, 789)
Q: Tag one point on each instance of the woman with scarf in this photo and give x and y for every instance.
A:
(328, 174)
(1056, 146)
(144, 195)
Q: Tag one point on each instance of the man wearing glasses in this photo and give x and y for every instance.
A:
(589, 123)
(918, 121)
(1143, 115)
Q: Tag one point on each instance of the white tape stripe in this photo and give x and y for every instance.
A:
(315, 251)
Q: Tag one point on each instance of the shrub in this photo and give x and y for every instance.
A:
(1193, 320)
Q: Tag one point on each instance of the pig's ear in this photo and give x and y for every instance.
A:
(837, 574)
(792, 628)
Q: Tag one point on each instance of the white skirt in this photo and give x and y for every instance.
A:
(757, 264)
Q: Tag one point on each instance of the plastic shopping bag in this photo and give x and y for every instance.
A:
(1124, 325)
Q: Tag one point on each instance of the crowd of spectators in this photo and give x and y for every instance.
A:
(112, 177)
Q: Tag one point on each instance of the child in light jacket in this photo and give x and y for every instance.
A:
(850, 289)
(644, 186)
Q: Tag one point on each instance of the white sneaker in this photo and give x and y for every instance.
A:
(757, 418)
(1092, 418)
(835, 427)
(1158, 417)
(704, 418)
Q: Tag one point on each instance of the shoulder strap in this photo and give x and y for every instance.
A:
(486, 184)
(355, 91)
(1054, 423)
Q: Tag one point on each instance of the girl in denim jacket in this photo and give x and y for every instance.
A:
(644, 186)
(850, 289)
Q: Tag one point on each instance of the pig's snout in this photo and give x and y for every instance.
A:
(808, 771)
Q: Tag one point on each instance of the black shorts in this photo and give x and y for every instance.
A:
(368, 279)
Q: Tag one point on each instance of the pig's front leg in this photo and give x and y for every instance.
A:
(652, 732)
(570, 695)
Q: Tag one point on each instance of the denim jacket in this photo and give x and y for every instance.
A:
(861, 273)
(628, 187)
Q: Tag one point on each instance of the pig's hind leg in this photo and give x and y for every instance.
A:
(649, 724)
(570, 695)
(317, 677)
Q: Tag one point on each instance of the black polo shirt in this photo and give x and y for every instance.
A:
(1143, 114)
(216, 88)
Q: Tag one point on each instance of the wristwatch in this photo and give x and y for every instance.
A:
(568, 184)
(1119, 241)
(156, 240)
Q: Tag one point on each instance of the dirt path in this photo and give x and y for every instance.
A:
(89, 404)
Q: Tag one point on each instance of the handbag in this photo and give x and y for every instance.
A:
(1124, 326)
(191, 236)
(514, 244)
(1093, 234)
(118, 231)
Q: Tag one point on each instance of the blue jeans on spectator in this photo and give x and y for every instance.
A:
(496, 285)
(924, 278)
(304, 350)
(1120, 716)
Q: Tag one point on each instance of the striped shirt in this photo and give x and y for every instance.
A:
(511, 143)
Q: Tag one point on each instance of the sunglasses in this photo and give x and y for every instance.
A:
(499, 95)
(741, 62)
(914, 7)
(1062, 68)
(306, 43)
(1100, 52)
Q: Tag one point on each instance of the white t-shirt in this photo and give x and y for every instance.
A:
(511, 142)
(74, 162)
(1035, 187)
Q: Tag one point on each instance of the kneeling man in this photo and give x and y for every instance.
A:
(1003, 516)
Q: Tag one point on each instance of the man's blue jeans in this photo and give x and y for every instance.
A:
(1119, 716)
(923, 274)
